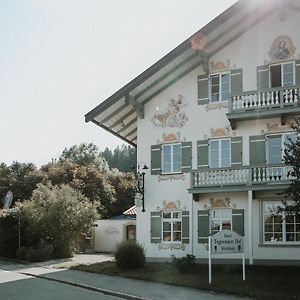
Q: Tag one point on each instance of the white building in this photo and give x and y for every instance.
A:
(211, 119)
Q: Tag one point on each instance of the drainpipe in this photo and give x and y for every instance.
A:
(192, 225)
(250, 226)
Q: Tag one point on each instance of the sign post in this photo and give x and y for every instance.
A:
(223, 242)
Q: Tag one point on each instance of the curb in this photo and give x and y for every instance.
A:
(88, 287)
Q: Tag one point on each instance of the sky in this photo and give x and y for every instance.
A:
(61, 58)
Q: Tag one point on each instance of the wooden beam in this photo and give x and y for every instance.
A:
(138, 106)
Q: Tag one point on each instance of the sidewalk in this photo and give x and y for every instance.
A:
(130, 288)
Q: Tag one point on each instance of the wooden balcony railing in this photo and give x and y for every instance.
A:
(245, 176)
(270, 98)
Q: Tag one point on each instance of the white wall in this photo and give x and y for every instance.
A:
(247, 52)
(109, 233)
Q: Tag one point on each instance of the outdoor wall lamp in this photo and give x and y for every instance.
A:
(140, 185)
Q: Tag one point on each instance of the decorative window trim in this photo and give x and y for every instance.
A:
(283, 228)
(172, 220)
(219, 151)
(281, 64)
(172, 166)
(220, 87)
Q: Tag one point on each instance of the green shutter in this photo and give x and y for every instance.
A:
(202, 154)
(203, 226)
(263, 81)
(238, 221)
(203, 97)
(237, 151)
(236, 81)
(297, 71)
(186, 152)
(185, 227)
(155, 159)
(155, 218)
(257, 150)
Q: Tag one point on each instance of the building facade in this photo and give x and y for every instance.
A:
(211, 120)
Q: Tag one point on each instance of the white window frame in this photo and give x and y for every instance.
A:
(283, 136)
(281, 64)
(219, 219)
(171, 220)
(220, 86)
(219, 151)
(283, 226)
(172, 162)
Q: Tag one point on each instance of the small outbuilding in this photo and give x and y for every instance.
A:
(107, 233)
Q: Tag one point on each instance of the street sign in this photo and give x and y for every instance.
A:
(224, 242)
(227, 241)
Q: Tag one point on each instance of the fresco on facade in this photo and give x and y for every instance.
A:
(173, 116)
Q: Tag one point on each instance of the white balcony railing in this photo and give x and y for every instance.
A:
(275, 97)
(241, 176)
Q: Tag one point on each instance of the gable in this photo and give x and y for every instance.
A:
(119, 113)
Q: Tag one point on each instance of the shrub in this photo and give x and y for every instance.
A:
(41, 253)
(130, 255)
(185, 264)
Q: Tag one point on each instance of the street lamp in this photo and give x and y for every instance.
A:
(140, 185)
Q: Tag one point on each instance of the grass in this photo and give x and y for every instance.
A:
(262, 282)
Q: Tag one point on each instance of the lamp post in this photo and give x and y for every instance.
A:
(140, 185)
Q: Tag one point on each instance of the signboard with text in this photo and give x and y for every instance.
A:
(227, 241)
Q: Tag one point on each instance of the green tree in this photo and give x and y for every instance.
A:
(84, 154)
(292, 159)
(57, 214)
(122, 158)
(89, 180)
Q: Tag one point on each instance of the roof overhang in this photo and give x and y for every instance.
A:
(118, 114)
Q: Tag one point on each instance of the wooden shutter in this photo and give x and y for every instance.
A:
(263, 81)
(236, 151)
(203, 97)
(186, 158)
(238, 221)
(236, 80)
(155, 219)
(185, 227)
(257, 149)
(202, 154)
(297, 71)
(156, 159)
(203, 226)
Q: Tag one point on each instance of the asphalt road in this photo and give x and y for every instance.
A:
(16, 286)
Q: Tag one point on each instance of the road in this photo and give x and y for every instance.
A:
(16, 286)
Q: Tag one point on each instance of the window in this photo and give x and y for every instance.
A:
(279, 227)
(171, 224)
(219, 87)
(219, 153)
(276, 145)
(220, 219)
(282, 75)
(171, 158)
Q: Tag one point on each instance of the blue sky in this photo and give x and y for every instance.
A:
(61, 58)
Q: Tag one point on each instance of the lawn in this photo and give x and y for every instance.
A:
(262, 282)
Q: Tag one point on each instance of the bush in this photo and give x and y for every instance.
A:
(41, 253)
(130, 255)
(185, 264)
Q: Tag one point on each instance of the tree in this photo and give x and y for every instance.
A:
(57, 214)
(84, 154)
(292, 158)
(122, 158)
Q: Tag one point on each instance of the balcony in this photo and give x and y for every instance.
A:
(262, 177)
(272, 102)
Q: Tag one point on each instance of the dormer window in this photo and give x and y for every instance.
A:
(282, 75)
(219, 87)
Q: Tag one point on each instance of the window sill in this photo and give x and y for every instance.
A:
(277, 245)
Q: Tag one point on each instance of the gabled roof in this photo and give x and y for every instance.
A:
(118, 114)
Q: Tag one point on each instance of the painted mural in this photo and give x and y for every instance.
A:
(173, 115)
